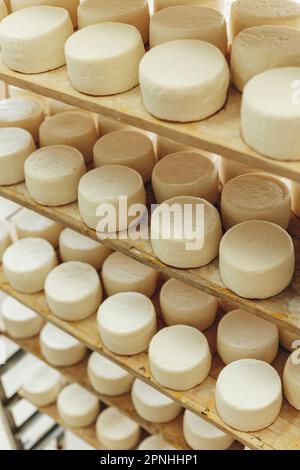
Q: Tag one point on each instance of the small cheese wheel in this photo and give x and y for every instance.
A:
(182, 304)
(3, 10)
(187, 239)
(291, 380)
(248, 395)
(8, 208)
(120, 273)
(52, 175)
(5, 238)
(295, 193)
(257, 259)
(242, 335)
(255, 196)
(23, 112)
(76, 247)
(19, 320)
(59, 348)
(31, 224)
(73, 128)
(105, 185)
(179, 357)
(289, 340)
(77, 407)
(106, 125)
(133, 12)
(155, 443)
(26, 264)
(121, 49)
(229, 169)
(116, 431)
(32, 40)
(108, 378)
(201, 435)
(41, 384)
(185, 174)
(160, 4)
(14, 91)
(69, 5)
(165, 146)
(152, 405)
(73, 291)
(176, 78)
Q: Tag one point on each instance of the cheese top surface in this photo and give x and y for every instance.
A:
(30, 220)
(28, 254)
(189, 17)
(115, 425)
(14, 310)
(182, 296)
(123, 144)
(123, 268)
(149, 395)
(55, 338)
(76, 400)
(15, 109)
(53, 162)
(69, 123)
(40, 378)
(77, 241)
(107, 9)
(103, 367)
(13, 139)
(201, 427)
(267, 8)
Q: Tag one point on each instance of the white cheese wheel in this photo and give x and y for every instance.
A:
(69, 5)
(74, 246)
(57, 107)
(295, 193)
(23, 112)
(120, 273)
(229, 169)
(182, 304)
(160, 4)
(289, 340)
(31, 224)
(32, 40)
(201, 435)
(73, 128)
(5, 237)
(270, 113)
(59, 348)
(105, 185)
(165, 146)
(126, 323)
(133, 12)
(291, 380)
(248, 395)
(255, 196)
(52, 175)
(116, 431)
(155, 443)
(8, 208)
(178, 236)
(14, 91)
(179, 357)
(106, 125)
(185, 173)
(121, 49)
(19, 320)
(77, 407)
(41, 384)
(151, 405)
(3, 10)
(108, 378)
(257, 259)
(73, 291)
(176, 78)
(26, 264)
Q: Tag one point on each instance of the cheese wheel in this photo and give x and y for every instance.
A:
(3, 10)
(26, 264)
(120, 273)
(5, 237)
(229, 169)
(182, 304)
(295, 193)
(201, 435)
(133, 12)
(106, 125)
(69, 5)
(52, 175)
(76, 247)
(32, 40)
(185, 174)
(59, 348)
(103, 186)
(179, 357)
(108, 378)
(14, 91)
(122, 49)
(19, 320)
(77, 407)
(242, 335)
(291, 380)
(255, 196)
(116, 431)
(289, 340)
(155, 443)
(186, 232)
(248, 395)
(152, 405)
(257, 259)
(41, 384)
(31, 224)
(7, 208)
(160, 4)
(23, 112)
(73, 291)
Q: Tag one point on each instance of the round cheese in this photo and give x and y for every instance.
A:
(19, 320)
(8, 208)
(103, 186)
(122, 49)
(26, 264)
(14, 91)
(179, 357)
(160, 4)
(59, 348)
(295, 193)
(257, 259)
(5, 237)
(69, 5)
(116, 431)
(182, 304)
(32, 40)
(108, 378)
(77, 407)
(52, 175)
(120, 273)
(155, 443)
(186, 232)
(289, 340)
(23, 112)
(31, 224)
(291, 380)
(3, 10)
(248, 395)
(41, 384)
(57, 107)
(229, 169)
(126, 323)
(106, 125)
(201, 435)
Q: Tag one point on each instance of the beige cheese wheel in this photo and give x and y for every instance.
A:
(155, 443)
(3, 10)
(160, 4)
(229, 169)
(179, 357)
(23, 112)
(257, 259)
(32, 40)
(5, 237)
(41, 384)
(289, 340)
(120, 273)
(291, 380)
(116, 431)
(31, 224)
(295, 192)
(20, 321)
(69, 5)
(77, 407)
(14, 91)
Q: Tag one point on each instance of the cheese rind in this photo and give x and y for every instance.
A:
(19, 320)
(5, 238)
(155, 443)
(116, 431)
(59, 348)
(69, 5)
(23, 112)
(14, 91)
(160, 4)
(41, 385)
(295, 193)
(289, 340)
(77, 407)
(291, 380)
(31, 224)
